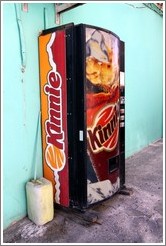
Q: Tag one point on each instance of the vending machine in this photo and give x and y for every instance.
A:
(82, 109)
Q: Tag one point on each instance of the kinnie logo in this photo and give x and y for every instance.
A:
(104, 133)
(55, 150)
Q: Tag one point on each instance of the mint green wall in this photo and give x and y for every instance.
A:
(20, 105)
(141, 29)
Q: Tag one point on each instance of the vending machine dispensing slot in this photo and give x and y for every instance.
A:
(83, 113)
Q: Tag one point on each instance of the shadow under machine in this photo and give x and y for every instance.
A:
(83, 113)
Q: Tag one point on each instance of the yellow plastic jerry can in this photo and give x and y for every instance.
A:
(40, 201)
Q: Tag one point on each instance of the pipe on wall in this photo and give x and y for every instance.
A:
(21, 37)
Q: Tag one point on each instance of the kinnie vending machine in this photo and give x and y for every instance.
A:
(82, 109)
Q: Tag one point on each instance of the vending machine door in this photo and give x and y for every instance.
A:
(101, 112)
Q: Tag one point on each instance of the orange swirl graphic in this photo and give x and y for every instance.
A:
(55, 158)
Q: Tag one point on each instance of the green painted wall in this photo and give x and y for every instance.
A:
(140, 28)
(20, 105)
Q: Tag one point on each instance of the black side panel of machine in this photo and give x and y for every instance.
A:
(81, 116)
(122, 114)
(71, 115)
(75, 42)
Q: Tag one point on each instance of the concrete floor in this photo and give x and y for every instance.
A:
(137, 218)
